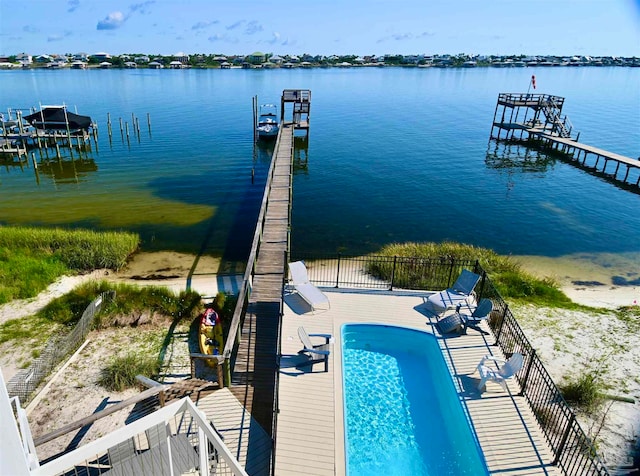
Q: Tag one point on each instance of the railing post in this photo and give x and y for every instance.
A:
(523, 384)
(504, 316)
(227, 372)
(482, 284)
(563, 442)
(393, 273)
(338, 273)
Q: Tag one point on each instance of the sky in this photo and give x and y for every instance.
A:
(341, 27)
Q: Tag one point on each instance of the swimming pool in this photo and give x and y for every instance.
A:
(402, 412)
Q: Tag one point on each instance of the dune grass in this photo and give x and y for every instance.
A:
(505, 272)
(120, 373)
(33, 258)
(132, 306)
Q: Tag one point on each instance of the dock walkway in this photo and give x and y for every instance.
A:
(254, 373)
(579, 152)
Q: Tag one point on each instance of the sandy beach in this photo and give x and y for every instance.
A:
(567, 341)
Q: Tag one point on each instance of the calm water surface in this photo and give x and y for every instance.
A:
(394, 155)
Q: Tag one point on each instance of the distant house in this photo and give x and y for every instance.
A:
(105, 65)
(101, 56)
(43, 59)
(181, 57)
(24, 58)
(142, 59)
(155, 65)
(256, 58)
(276, 59)
(130, 64)
(175, 64)
(78, 65)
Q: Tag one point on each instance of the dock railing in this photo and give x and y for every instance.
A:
(574, 452)
(233, 339)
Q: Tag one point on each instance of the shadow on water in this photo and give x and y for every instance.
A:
(533, 156)
(234, 222)
(243, 222)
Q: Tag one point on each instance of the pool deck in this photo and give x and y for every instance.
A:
(310, 432)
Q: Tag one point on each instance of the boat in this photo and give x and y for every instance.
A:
(210, 335)
(57, 118)
(268, 122)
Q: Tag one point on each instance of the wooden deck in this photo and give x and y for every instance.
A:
(310, 438)
(254, 373)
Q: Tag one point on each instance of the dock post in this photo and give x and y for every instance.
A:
(149, 122)
(121, 131)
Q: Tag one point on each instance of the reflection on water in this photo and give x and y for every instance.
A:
(68, 171)
(517, 158)
(301, 155)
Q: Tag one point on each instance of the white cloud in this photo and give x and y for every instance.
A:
(204, 24)
(275, 38)
(73, 5)
(235, 25)
(253, 27)
(112, 21)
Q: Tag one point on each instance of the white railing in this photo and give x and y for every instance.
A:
(174, 440)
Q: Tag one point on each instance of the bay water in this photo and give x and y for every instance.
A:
(394, 155)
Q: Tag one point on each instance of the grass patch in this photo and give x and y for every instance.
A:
(132, 306)
(121, 371)
(505, 273)
(24, 273)
(129, 305)
(33, 258)
(584, 392)
(35, 329)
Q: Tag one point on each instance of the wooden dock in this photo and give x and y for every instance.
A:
(593, 158)
(538, 117)
(251, 353)
(254, 373)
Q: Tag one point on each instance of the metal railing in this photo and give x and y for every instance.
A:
(25, 381)
(574, 452)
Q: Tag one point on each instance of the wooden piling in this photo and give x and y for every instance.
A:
(149, 122)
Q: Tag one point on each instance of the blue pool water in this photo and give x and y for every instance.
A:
(402, 412)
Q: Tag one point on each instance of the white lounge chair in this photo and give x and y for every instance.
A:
(315, 352)
(456, 294)
(504, 372)
(307, 291)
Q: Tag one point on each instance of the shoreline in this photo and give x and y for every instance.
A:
(604, 280)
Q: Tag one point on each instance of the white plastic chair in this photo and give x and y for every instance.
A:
(506, 370)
